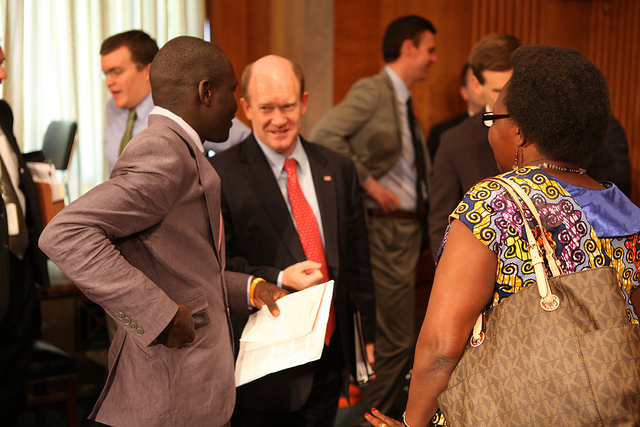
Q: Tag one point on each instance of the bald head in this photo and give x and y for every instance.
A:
(181, 65)
(272, 67)
(273, 98)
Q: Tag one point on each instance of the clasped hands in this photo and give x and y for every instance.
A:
(181, 330)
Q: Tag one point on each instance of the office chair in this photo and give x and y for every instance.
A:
(59, 144)
(52, 379)
(57, 147)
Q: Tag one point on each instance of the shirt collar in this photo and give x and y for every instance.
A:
(144, 108)
(276, 160)
(402, 91)
(180, 121)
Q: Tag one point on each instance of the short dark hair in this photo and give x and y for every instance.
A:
(409, 27)
(142, 47)
(492, 52)
(560, 101)
(246, 78)
(180, 66)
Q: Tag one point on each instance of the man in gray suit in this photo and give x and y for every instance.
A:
(376, 128)
(148, 246)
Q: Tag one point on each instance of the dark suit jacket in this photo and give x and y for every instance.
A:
(262, 240)
(438, 129)
(34, 223)
(464, 157)
(138, 245)
(611, 162)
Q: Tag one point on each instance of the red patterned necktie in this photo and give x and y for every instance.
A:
(308, 232)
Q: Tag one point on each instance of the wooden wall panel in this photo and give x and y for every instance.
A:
(614, 46)
(606, 31)
(358, 25)
(299, 30)
(242, 31)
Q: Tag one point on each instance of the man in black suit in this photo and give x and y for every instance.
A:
(474, 99)
(22, 265)
(464, 155)
(266, 237)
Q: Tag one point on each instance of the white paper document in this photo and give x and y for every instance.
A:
(270, 344)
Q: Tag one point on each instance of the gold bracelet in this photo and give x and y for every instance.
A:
(404, 419)
(252, 288)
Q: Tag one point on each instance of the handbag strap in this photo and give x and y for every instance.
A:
(548, 301)
(552, 261)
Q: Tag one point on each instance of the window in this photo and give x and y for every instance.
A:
(53, 66)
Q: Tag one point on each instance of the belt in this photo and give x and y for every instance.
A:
(395, 214)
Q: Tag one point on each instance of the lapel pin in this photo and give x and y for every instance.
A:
(327, 177)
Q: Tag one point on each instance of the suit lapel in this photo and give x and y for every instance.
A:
(324, 181)
(260, 176)
(420, 134)
(393, 100)
(210, 182)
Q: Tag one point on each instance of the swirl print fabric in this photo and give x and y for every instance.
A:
(488, 211)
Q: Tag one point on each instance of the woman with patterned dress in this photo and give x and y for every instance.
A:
(549, 118)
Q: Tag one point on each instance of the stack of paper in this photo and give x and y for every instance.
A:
(270, 344)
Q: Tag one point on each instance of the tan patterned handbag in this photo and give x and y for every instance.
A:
(559, 354)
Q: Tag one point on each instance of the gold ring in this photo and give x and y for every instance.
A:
(383, 425)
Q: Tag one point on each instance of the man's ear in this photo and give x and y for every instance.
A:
(407, 48)
(246, 108)
(464, 93)
(206, 92)
(146, 70)
(476, 83)
(304, 101)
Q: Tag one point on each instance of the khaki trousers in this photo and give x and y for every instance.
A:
(395, 249)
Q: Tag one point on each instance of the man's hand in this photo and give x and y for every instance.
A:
(387, 200)
(370, 349)
(300, 276)
(268, 293)
(180, 331)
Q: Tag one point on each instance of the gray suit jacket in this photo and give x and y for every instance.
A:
(365, 127)
(463, 158)
(138, 245)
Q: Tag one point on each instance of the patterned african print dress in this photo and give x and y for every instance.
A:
(590, 228)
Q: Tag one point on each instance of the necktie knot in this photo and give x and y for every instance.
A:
(128, 130)
(290, 166)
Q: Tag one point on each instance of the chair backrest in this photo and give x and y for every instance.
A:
(59, 143)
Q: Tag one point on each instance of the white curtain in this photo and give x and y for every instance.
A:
(53, 65)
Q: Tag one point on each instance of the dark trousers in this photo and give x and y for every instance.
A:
(18, 328)
(321, 407)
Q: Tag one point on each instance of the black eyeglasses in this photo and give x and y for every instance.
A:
(489, 118)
